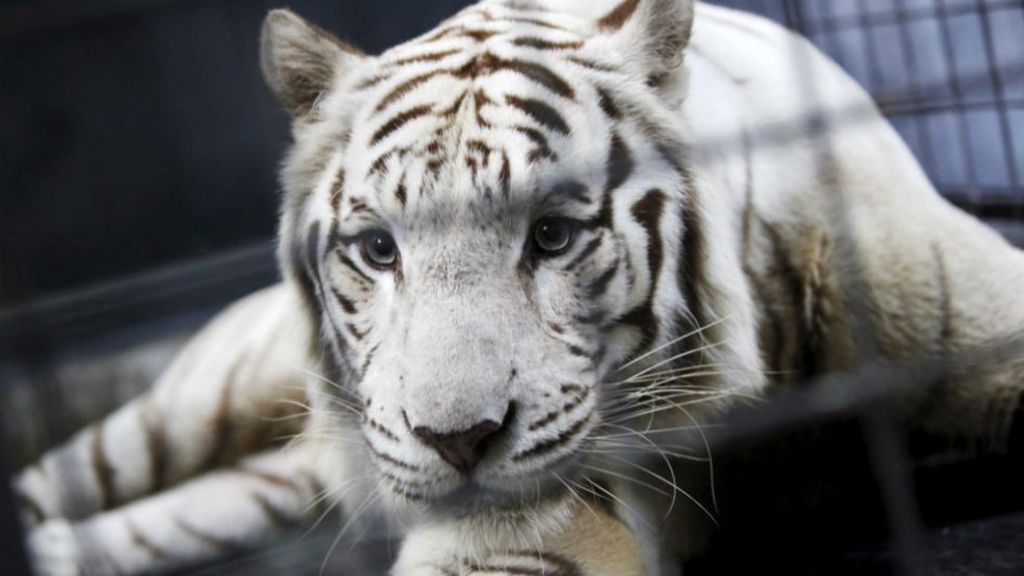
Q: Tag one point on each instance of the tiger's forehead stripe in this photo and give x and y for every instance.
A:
(435, 127)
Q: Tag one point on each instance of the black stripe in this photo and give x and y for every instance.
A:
(431, 57)
(355, 332)
(532, 21)
(337, 186)
(480, 99)
(156, 447)
(505, 175)
(476, 34)
(770, 343)
(369, 359)
(619, 15)
(544, 421)
(393, 461)
(480, 147)
(590, 64)
(620, 163)
(782, 268)
(544, 114)
(619, 167)
(532, 70)
(307, 289)
(348, 263)
(401, 193)
(378, 166)
(222, 544)
(648, 213)
(346, 304)
(542, 149)
(691, 267)
(317, 491)
(103, 470)
(601, 283)
(506, 570)
(399, 120)
(269, 478)
(548, 445)
(303, 264)
(221, 427)
(482, 65)
(608, 105)
(577, 351)
(371, 81)
(542, 44)
(946, 336)
(140, 540)
(643, 319)
(448, 113)
(573, 190)
(382, 429)
(276, 516)
(405, 493)
(567, 407)
(358, 205)
(587, 251)
(407, 86)
(561, 565)
(29, 505)
(948, 326)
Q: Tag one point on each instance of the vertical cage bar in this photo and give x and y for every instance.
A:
(889, 458)
(948, 54)
(924, 135)
(996, 78)
(870, 53)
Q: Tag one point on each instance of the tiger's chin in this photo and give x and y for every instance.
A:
(483, 496)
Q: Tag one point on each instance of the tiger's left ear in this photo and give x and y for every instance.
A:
(301, 61)
(653, 33)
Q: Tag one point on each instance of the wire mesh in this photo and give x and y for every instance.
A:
(949, 74)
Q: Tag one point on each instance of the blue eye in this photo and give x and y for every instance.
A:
(553, 236)
(379, 249)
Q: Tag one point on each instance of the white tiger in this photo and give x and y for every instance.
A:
(516, 248)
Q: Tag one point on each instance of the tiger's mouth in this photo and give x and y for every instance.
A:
(493, 488)
(470, 497)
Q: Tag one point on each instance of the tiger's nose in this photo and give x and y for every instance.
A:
(464, 449)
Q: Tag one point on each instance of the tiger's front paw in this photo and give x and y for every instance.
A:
(53, 549)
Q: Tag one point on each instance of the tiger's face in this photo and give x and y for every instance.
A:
(487, 222)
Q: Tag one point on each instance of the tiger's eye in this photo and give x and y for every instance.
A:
(379, 249)
(553, 235)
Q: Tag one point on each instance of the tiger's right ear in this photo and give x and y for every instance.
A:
(301, 61)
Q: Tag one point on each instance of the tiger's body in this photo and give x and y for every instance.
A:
(737, 216)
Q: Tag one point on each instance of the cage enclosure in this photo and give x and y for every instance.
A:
(140, 197)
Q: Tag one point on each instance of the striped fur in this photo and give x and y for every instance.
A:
(711, 258)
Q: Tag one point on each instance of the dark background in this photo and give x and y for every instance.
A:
(137, 133)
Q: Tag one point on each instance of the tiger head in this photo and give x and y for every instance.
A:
(487, 223)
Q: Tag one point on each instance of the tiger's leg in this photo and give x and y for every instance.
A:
(226, 394)
(571, 538)
(220, 513)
